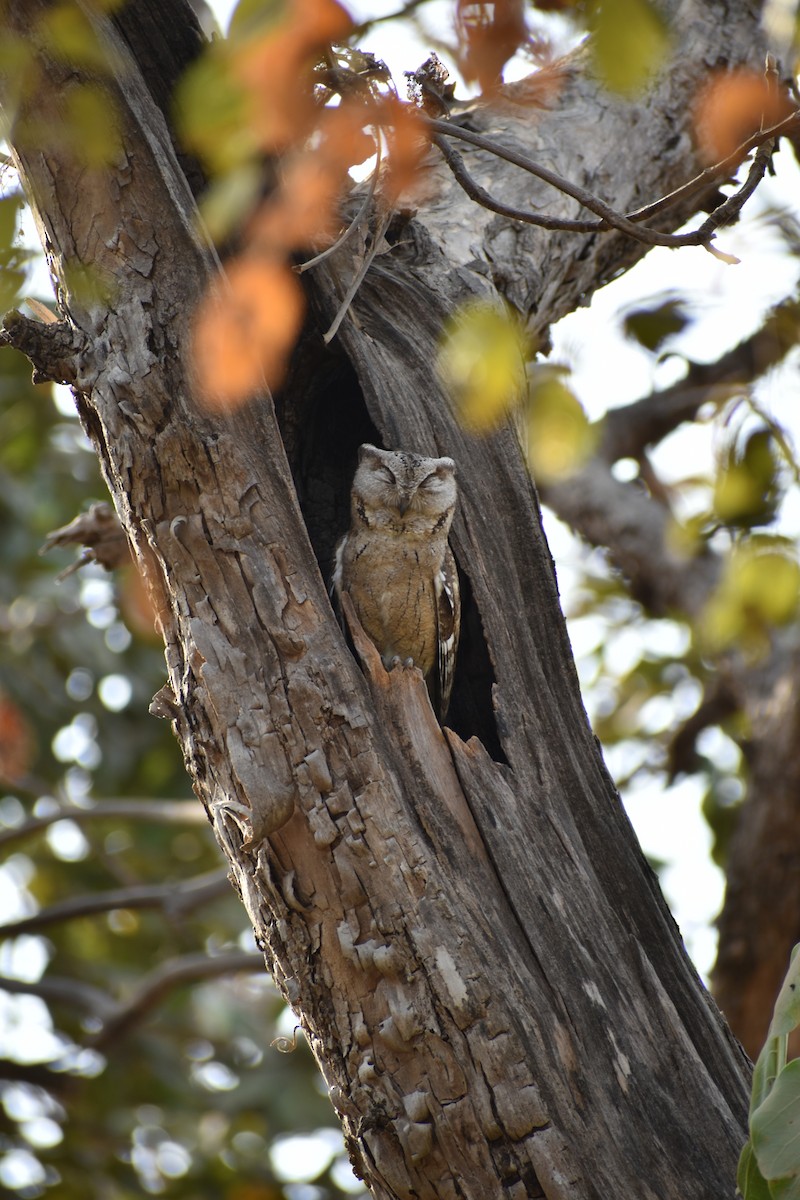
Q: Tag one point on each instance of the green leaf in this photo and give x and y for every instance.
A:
(560, 436)
(775, 1132)
(765, 1073)
(749, 1180)
(786, 1016)
(630, 43)
(651, 327)
(211, 110)
(91, 121)
(67, 33)
(229, 198)
(481, 363)
(253, 17)
(9, 211)
(747, 489)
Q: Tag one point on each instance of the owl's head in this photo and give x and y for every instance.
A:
(405, 483)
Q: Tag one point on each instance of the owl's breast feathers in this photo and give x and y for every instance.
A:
(395, 563)
(405, 593)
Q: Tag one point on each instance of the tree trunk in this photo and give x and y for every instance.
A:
(495, 991)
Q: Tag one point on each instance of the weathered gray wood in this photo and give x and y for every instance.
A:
(480, 957)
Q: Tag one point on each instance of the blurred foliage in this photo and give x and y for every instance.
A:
(653, 325)
(748, 486)
(759, 591)
(559, 435)
(631, 41)
(482, 357)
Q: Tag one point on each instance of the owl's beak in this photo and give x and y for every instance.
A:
(403, 505)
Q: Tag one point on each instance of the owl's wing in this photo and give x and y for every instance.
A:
(448, 627)
(335, 585)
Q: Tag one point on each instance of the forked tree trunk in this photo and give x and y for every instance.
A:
(495, 991)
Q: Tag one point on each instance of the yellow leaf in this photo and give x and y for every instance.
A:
(67, 34)
(629, 43)
(211, 110)
(481, 363)
(91, 123)
(760, 589)
(560, 437)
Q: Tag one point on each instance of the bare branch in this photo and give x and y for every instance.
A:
(726, 213)
(169, 975)
(56, 989)
(628, 430)
(173, 899)
(161, 812)
(355, 283)
(37, 1074)
(479, 194)
(634, 528)
(354, 224)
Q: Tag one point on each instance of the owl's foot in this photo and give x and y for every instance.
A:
(397, 661)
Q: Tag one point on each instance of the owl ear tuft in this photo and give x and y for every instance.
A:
(445, 466)
(368, 451)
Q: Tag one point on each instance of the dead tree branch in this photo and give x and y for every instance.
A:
(162, 812)
(174, 900)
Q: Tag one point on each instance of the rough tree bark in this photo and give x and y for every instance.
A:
(495, 991)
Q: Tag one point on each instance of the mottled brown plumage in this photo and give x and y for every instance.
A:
(396, 565)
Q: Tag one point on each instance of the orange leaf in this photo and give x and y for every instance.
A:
(345, 140)
(731, 107)
(16, 742)
(274, 69)
(489, 34)
(244, 332)
(304, 210)
(408, 144)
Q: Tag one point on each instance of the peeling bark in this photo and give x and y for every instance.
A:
(494, 989)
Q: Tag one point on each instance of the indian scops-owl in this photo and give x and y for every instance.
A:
(397, 567)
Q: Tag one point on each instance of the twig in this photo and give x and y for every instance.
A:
(718, 171)
(475, 192)
(354, 224)
(609, 218)
(358, 278)
(405, 10)
(163, 979)
(61, 990)
(118, 1018)
(173, 899)
(728, 212)
(164, 812)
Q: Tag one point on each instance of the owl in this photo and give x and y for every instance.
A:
(395, 563)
